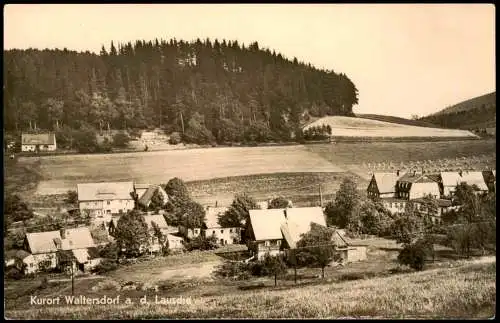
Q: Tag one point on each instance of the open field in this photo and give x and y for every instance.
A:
(57, 174)
(61, 173)
(397, 120)
(301, 188)
(447, 289)
(361, 127)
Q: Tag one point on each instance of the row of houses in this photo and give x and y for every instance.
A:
(397, 188)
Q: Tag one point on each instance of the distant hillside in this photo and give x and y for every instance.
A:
(361, 127)
(476, 113)
(391, 119)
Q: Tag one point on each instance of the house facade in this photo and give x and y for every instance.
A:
(416, 185)
(223, 235)
(383, 185)
(38, 142)
(102, 200)
(174, 242)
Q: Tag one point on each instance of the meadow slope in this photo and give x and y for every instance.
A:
(361, 127)
(467, 291)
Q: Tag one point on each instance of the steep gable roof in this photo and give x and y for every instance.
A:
(77, 238)
(38, 139)
(156, 218)
(105, 191)
(475, 178)
(42, 242)
(386, 182)
(450, 178)
(266, 224)
(212, 216)
(148, 195)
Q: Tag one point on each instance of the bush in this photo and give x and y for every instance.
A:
(107, 285)
(13, 273)
(121, 140)
(233, 270)
(202, 243)
(175, 138)
(413, 255)
(105, 266)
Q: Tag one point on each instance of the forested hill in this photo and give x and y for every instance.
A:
(476, 113)
(202, 85)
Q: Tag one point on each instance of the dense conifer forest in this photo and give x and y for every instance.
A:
(207, 90)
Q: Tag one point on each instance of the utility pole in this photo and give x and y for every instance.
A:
(72, 279)
(320, 196)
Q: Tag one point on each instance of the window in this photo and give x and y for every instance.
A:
(31, 265)
(213, 232)
(230, 230)
(278, 242)
(266, 243)
(108, 211)
(221, 231)
(109, 202)
(45, 146)
(196, 231)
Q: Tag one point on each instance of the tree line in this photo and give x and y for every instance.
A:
(200, 89)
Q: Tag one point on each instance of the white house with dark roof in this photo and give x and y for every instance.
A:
(416, 185)
(266, 230)
(38, 142)
(102, 200)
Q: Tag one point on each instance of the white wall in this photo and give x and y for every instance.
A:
(227, 235)
(42, 147)
(395, 207)
(419, 190)
(106, 208)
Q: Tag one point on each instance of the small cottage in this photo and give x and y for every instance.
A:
(38, 142)
(223, 235)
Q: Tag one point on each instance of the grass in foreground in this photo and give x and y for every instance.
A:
(468, 291)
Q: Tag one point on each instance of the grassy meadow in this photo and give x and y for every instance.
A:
(463, 289)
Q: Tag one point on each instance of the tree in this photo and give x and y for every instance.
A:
(131, 234)
(346, 200)
(162, 238)
(71, 197)
(177, 191)
(121, 140)
(414, 254)
(174, 139)
(406, 229)
(193, 215)
(273, 266)
(316, 248)
(238, 214)
(469, 201)
(375, 218)
(202, 243)
(278, 203)
(157, 201)
(15, 209)
(85, 141)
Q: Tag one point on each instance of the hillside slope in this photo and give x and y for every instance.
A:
(360, 127)
(476, 113)
(397, 120)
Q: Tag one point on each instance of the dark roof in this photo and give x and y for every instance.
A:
(434, 177)
(38, 139)
(148, 195)
(417, 178)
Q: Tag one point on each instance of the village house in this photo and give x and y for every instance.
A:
(21, 260)
(265, 226)
(145, 196)
(474, 178)
(415, 184)
(383, 185)
(51, 249)
(102, 200)
(223, 235)
(277, 230)
(38, 142)
(449, 182)
(175, 242)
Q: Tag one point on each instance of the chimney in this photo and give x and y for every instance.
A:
(285, 213)
(397, 172)
(62, 232)
(216, 203)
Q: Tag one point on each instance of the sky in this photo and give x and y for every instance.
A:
(404, 59)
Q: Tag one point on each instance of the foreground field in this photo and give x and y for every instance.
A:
(360, 127)
(466, 291)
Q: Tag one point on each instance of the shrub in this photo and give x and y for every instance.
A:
(121, 140)
(107, 285)
(202, 243)
(106, 265)
(413, 255)
(13, 273)
(175, 138)
(233, 270)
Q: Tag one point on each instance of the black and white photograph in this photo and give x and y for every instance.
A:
(249, 161)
